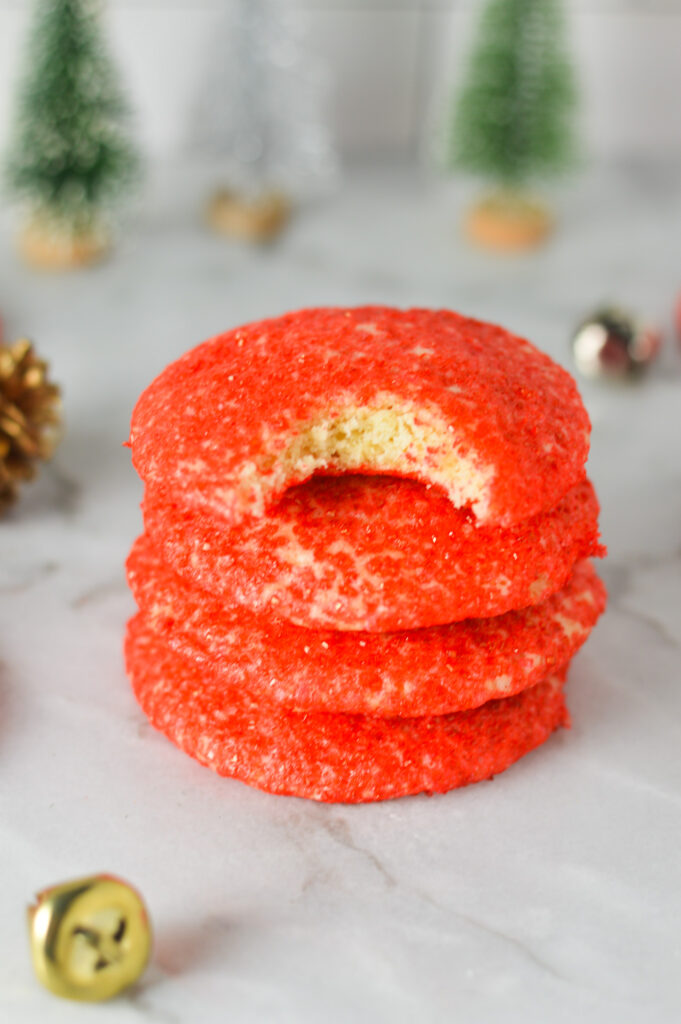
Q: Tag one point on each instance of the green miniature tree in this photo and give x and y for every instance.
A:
(70, 155)
(512, 120)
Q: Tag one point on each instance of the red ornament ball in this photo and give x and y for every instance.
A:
(614, 344)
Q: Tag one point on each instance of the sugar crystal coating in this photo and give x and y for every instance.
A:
(416, 672)
(374, 553)
(334, 758)
(277, 640)
(429, 395)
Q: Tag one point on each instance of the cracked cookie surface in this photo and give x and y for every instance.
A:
(375, 553)
(333, 758)
(412, 672)
(430, 395)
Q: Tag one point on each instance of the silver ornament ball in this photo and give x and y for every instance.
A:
(612, 343)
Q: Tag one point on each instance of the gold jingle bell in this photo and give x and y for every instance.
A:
(90, 938)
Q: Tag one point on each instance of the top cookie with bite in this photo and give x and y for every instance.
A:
(433, 396)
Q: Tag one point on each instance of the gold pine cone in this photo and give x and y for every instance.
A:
(29, 416)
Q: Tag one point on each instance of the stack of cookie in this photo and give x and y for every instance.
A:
(365, 562)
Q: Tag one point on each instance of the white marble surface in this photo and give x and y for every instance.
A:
(553, 893)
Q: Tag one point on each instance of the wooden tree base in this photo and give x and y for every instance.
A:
(48, 248)
(508, 222)
(250, 220)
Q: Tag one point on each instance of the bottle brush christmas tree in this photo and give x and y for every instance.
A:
(70, 155)
(512, 121)
(261, 112)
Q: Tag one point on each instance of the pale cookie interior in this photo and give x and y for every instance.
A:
(388, 440)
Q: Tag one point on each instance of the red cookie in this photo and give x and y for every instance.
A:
(430, 395)
(419, 672)
(334, 758)
(375, 553)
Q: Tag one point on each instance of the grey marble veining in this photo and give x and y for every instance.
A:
(553, 892)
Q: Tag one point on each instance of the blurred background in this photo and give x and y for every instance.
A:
(390, 61)
(290, 153)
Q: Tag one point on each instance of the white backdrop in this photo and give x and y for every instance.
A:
(390, 60)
